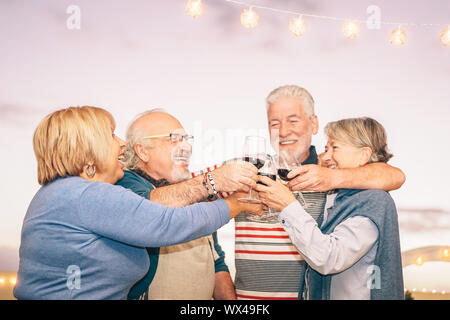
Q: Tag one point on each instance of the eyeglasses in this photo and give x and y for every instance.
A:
(174, 137)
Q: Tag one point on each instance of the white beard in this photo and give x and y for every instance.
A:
(178, 175)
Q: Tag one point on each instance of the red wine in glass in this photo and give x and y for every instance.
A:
(271, 176)
(257, 162)
(254, 153)
(282, 173)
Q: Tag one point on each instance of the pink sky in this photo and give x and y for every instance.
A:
(214, 75)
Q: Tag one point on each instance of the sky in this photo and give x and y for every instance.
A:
(213, 75)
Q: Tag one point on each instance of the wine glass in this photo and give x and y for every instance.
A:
(269, 170)
(255, 153)
(286, 162)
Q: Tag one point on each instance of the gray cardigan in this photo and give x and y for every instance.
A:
(379, 207)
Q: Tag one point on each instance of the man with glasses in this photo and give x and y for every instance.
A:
(157, 155)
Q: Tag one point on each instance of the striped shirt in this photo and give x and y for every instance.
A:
(268, 266)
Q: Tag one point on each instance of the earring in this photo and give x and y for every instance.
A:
(90, 170)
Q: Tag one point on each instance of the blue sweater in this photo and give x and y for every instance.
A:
(85, 240)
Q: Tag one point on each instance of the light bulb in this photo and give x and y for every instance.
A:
(350, 29)
(398, 37)
(445, 253)
(419, 261)
(249, 18)
(445, 39)
(297, 26)
(195, 8)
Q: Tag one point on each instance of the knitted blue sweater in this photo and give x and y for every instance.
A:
(85, 240)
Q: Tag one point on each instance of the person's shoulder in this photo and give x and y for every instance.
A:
(374, 197)
(365, 195)
(131, 178)
(375, 194)
(134, 182)
(70, 185)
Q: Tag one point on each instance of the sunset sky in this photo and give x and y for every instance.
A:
(214, 74)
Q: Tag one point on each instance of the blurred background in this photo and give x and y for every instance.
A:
(213, 74)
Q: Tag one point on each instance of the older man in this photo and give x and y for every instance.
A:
(268, 266)
(157, 156)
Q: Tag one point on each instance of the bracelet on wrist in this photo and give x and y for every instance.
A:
(212, 183)
(209, 190)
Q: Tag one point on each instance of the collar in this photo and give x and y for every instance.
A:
(154, 182)
(312, 159)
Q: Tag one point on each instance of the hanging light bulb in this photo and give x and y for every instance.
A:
(249, 18)
(419, 261)
(195, 8)
(445, 36)
(398, 36)
(350, 29)
(297, 26)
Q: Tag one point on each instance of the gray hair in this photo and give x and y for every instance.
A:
(361, 132)
(133, 136)
(294, 92)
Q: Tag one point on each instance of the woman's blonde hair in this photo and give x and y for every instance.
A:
(361, 132)
(68, 139)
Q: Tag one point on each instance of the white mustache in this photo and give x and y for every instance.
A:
(182, 155)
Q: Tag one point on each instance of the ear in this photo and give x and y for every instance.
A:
(315, 124)
(141, 152)
(365, 155)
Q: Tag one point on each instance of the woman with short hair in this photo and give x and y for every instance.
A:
(354, 252)
(82, 236)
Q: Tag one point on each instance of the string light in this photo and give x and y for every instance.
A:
(424, 290)
(445, 39)
(249, 18)
(445, 253)
(13, 281)
(350, 29)
(2, 281)
(419, 261)
(297, 26)
(195, 8)
(398, 36)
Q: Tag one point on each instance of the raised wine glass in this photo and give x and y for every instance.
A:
(269, 170)
(255, 153)
(286, 163)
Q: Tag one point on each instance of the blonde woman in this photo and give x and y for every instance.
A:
(83, 237)
(354, 251)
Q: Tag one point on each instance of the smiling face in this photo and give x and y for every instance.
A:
(342, 155)
(112, 169)
(162, 158)
(292, 126)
